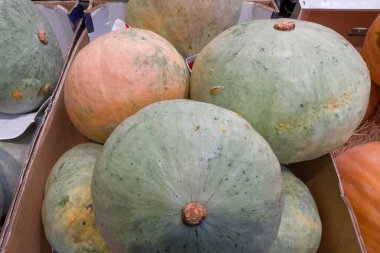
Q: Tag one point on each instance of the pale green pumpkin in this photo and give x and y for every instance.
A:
(183, 162)
(301, 228)
(305, 90)
(67, 213)
(188, 26)
(31, 59)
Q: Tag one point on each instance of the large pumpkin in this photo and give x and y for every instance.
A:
(119, 73)
(31, 59)
(10, 171)
(67, 213)
(281, 75)
(189, 26)
(185, 176)
(371, 50)
(301, 228)
(359, 170)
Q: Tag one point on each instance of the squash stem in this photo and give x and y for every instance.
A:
(193, 213)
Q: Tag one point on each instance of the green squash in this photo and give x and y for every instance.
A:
(188, 26)
(301, 228)
(31, 59)
(305, 90)
(185, 176)
(10, 171)
(67, 213)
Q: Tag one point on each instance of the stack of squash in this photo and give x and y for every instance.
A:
(173, 174)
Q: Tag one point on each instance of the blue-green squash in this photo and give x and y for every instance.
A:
(301, 85)
(31, 59)
(188, 26)
(67, 213)
(10, 170)
(301, 228)
(186, 176)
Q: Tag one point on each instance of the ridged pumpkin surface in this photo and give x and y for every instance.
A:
(10, 171)
(301, 228)
(359, 170)
(371, 50)
(29, 69)
(67, 213)
(177, 152)
(118, 74)
(304, 90)
(189, 26)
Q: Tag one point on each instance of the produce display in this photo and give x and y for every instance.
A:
(371, 50)
(290, 92)
(31, 59)
(193, 163)
(198, 178)
(67, 212)
(300, 229)
(359, 172)
(129, 69)
(189, 27)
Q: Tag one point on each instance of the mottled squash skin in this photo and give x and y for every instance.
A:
(359, 171)
(304, 90)
(29, 69)
(9, 177)
(67, 213)
(129, 69)
(180, 151)
(301, 228)
(189, 26)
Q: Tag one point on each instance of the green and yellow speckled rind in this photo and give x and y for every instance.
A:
(305, 90)
(27, 67)
(174, 152)
(301, 228)
(189, 26)
(67, 213)
(10, 170)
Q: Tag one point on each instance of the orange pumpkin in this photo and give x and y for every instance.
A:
(371, 50)
(359, 169)
(118, 74)
(374, 100)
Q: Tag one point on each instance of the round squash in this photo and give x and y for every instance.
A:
(374, 100)
(185, 176)
(10, 171)
(281, 75)
(359, 170)
(67, 213)
(301, 228)
(118, 74)
(371, 50)
(31, 59)
(188, 27)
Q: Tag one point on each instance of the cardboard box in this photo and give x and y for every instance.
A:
(348, 18)
(23, 231)
(258, 9)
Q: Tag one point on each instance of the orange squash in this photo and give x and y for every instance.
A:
(371, 50)
(374, 100)
(118, 74)
(359, 169)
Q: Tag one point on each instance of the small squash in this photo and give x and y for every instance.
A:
(31, 59)
(281, 75)
(67, 213)
(118, 74)
(301, 228)
(188, 26)
(371, 50)
(185, 176)
(359, 170)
